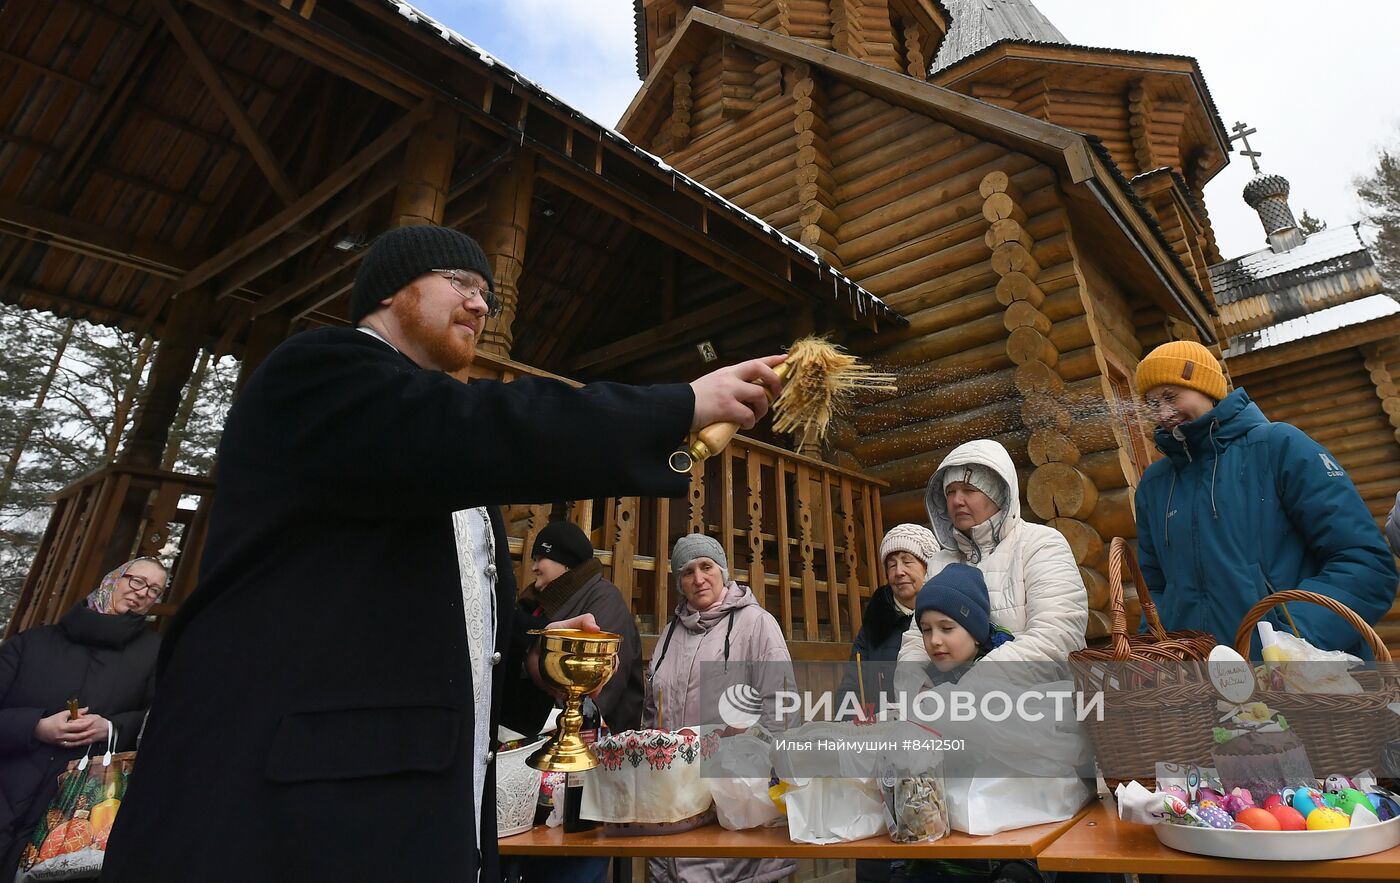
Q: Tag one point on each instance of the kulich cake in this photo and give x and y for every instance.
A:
(1257, 751)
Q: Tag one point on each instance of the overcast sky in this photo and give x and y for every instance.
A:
(1318, 80)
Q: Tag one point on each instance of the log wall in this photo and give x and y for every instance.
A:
(1348, 401)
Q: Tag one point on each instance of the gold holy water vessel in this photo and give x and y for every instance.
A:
(576, 663)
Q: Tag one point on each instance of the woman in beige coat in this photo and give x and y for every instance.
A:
(718, 636)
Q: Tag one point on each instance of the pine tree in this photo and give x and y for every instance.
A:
(1310, 225)
(1380, 198)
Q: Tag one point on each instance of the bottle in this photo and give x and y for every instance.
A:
(573, 788)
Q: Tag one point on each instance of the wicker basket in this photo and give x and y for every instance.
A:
(1343, 732)
(1158, 705)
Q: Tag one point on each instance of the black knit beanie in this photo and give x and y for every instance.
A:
(563, 541)
(401, 255)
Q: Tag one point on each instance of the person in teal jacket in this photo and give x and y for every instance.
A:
(1241, 507)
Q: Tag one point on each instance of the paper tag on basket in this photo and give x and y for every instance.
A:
(1230, 674)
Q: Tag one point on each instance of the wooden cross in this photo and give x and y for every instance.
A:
(1242, 134)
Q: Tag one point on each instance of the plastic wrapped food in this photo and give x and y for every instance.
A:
(915, 809)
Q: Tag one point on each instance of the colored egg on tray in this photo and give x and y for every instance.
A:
(1307, 800)
(1272, 801)
(1325, 818)
(1289, 819)
(1349, 799)
(1215, 817)
(1258, 819)
(1385, 806)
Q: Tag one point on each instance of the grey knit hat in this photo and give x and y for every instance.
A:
(400, 255)
(697, 545)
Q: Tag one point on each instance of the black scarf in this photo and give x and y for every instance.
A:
(555, 595)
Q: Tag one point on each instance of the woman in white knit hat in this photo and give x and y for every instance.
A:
(905, 554)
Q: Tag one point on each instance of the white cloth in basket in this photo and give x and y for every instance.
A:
(649, 776)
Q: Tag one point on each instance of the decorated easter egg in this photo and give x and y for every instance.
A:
(1331, 798)
(1336, 784)
(1289, 819)
(1325, 818)
(1238, 799)
(1349, 799)
(1272, 801)
(1385, 806)
(1258, 819)
(1305, 800)
(1215, 817)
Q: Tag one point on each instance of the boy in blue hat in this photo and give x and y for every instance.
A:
(954, 614)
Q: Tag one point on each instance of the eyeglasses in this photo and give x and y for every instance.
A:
(142, 586)
(466, 291)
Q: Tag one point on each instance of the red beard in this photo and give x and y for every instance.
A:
(444, 346)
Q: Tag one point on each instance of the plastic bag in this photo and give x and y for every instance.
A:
(1306, 669)
(742, 799)
(832, 796)
(71, 838)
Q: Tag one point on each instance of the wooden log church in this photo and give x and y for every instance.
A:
(1006, 220)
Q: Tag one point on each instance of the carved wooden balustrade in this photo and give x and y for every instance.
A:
(803, 533)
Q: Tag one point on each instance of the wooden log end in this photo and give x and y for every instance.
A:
(1084, 541)
(1020, 314)
(1038, 378)
(1059, 490)
(1049, 446)
(1029, 345)
(1018, 286)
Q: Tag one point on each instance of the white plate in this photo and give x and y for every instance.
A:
(1288, 846)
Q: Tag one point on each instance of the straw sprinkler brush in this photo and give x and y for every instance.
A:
(819, 381)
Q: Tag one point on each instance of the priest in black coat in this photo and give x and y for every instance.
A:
(327, 697)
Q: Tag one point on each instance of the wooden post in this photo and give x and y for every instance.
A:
(264, 334)
(180, 342)
(421, 197)
(175, 356)
(503, 237)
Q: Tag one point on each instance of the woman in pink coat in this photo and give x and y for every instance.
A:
(719, 636)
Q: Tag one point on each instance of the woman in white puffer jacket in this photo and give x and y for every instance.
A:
(974, 506)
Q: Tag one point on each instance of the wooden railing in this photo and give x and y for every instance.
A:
(79, 546)
(803, 533)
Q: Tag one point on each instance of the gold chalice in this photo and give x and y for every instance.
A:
(576, 663)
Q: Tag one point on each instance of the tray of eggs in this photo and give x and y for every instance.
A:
(1296, 824)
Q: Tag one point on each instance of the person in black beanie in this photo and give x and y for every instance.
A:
(569, 582)
(352, 644)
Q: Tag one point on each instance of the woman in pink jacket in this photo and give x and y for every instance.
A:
(719, 636)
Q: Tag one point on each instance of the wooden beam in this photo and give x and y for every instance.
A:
(663, 336)
(303, 40)
(46, 72)
(94, 240)
(237, 115)
(305, 205)
(49, 300)
(346, 209)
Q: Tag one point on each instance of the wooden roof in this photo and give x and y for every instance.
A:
(148, 148)
(1101, 199)
(1106, 70)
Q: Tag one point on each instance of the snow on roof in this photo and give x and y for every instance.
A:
(977, 24)
(863, 300)
(1324, 253)
(1357, 312)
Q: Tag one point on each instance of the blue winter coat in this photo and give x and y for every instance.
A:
(1241, 507)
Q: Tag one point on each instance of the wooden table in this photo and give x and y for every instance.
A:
(1098, 842)
(715, 842)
